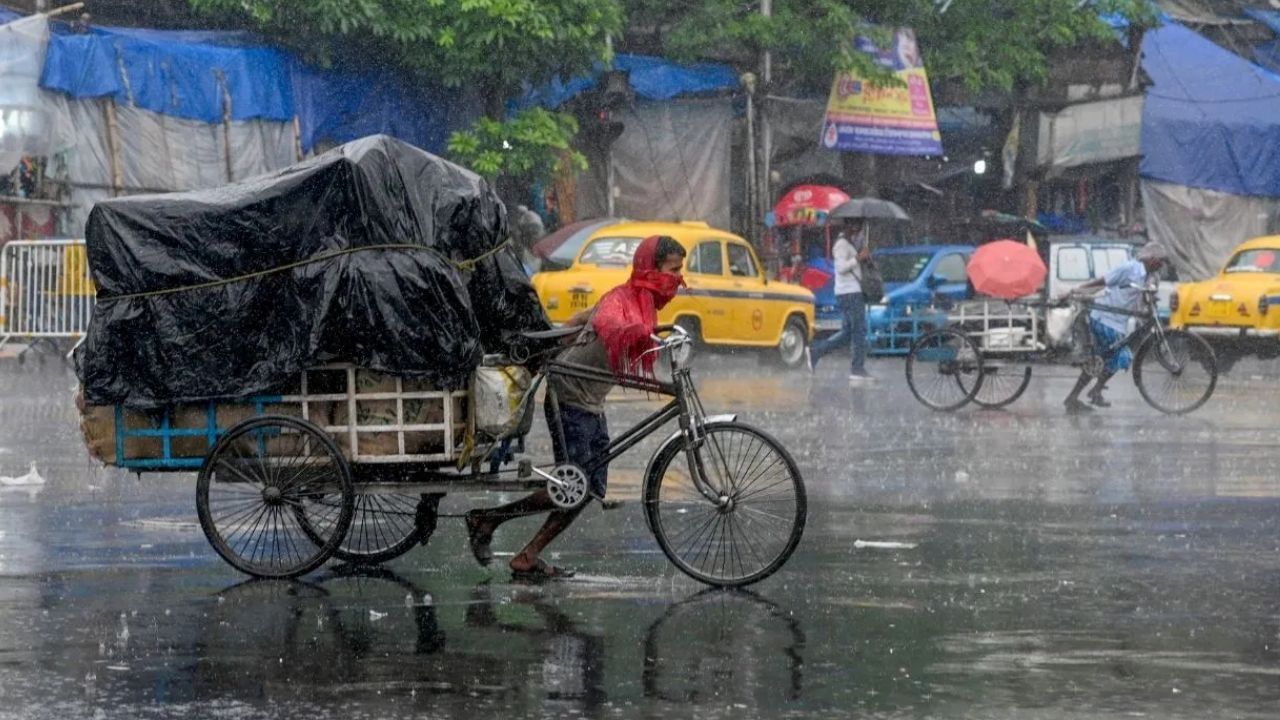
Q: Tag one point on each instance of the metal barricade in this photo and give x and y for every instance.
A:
(45, 291)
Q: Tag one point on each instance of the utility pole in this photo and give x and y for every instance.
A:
(764, 188)
(753, 201)
(608, 150)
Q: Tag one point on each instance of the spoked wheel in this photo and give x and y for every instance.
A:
(274, 497)
(751, 523)
(1175, 371)
(944, 369)
(1003, 382)
(384, 526)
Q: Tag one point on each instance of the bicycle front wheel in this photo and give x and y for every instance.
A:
(1175, 371)
(756, 519)
(944, 369)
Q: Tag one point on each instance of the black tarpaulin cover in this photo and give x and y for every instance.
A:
(375, 253)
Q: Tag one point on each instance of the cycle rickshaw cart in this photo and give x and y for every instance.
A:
(337, 461)
(984, 350)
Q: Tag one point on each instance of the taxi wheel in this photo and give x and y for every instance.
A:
(793, 342)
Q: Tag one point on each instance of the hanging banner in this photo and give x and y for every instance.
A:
(867, 118)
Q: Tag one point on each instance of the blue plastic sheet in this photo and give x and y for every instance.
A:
(652, 78)
(1270, 18)
(336, 106)
(1210, 119)
(183, 74)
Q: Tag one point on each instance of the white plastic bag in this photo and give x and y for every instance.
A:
(1057, 326)
(496, 395)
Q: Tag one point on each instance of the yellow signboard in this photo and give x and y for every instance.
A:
(863, 117)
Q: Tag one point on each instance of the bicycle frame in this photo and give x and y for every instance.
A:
(1149, 324)
(684, 405)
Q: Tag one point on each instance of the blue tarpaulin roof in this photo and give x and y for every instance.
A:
(1212, 118)
(183, 73)
(175, 73)
(652, 78)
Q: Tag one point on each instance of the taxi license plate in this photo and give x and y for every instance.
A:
(578, 301)
(1219, 308)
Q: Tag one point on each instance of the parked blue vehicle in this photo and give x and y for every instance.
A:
(895, 322)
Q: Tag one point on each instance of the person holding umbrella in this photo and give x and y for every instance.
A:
(851, 255)
(848, 254)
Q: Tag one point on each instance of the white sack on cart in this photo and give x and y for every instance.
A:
(496, 397)
(1058, 323)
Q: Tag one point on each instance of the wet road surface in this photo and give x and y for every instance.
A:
(993, 564)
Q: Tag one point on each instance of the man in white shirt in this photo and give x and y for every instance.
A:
(1109, 328)
(848, 253)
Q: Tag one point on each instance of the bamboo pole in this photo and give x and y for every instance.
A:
(226, 130)
(65, 9)
(297, 138)
(113, 147)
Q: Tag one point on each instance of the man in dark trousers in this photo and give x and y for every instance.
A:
(848, 254)
(615, 336)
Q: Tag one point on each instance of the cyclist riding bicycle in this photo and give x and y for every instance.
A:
(615, 335)
(1109, 328)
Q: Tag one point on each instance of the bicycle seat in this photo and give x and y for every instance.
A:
(553, 334)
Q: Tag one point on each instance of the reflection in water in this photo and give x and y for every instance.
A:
(370, 631)
(724, 646)
(573, 661)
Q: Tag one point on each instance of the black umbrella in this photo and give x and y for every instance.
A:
(869, 209)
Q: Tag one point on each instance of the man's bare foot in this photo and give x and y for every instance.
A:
(537, 571)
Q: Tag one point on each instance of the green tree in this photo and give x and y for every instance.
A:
(985, 44)
(493, 46)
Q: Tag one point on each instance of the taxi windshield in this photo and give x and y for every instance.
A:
(610, 251)
(1260, 260)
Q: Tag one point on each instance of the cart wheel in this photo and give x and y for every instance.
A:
(1175, 371)
(754, 525)
(275, 497)
(944, 369)
(1002, 383)
(384, 526)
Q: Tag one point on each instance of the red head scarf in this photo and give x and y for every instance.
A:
(627, 315)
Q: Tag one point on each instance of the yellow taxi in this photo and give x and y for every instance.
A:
(729, 300)
(1242, 301)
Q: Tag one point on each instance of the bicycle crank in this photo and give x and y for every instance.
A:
(566, 484)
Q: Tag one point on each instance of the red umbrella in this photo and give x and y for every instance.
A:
(807, 205)
(1006, 269)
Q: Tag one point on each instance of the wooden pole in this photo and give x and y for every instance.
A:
(226, 131)
(297, 138)
(65, 9)
(113, 147)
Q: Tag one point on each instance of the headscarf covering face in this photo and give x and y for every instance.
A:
(628, 314)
